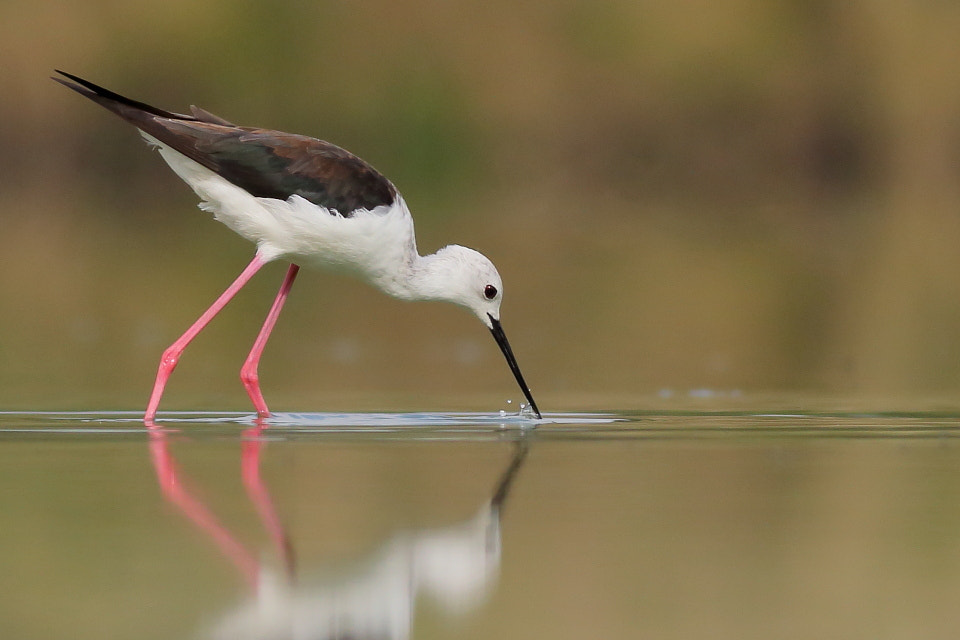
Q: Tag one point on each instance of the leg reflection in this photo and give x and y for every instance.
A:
(175, 490)
(260, 497)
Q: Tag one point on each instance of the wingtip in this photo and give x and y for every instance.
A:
(126, 108)
(76, 83)
(70, 84)
(77, 79)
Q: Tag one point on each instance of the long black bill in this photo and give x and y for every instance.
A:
(501, 338)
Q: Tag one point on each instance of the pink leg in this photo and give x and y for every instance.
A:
(248, 372)
(168, 362)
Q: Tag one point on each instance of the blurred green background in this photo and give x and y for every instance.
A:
(747, 197)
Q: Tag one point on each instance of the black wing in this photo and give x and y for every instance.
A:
(269, 164)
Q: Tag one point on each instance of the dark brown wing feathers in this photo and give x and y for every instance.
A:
(269, 164)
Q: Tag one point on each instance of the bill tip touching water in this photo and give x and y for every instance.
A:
(306, 202)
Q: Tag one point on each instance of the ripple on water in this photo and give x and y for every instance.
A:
(578, 425)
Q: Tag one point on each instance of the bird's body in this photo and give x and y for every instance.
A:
(378, 244)
(308, 202)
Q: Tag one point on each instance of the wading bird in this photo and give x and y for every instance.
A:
(304, 201)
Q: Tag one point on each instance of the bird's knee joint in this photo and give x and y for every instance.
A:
(169, 359)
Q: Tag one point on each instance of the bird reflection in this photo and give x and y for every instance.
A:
(456, 565)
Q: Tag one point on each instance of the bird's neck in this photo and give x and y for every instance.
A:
(422, 278)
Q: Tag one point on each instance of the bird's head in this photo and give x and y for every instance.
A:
(467, 278)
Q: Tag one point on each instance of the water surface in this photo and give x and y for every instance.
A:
(668, 524)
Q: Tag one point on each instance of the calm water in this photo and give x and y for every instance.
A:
(605, 525)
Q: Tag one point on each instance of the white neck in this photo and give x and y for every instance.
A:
(424, 278)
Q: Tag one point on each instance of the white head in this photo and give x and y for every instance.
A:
(467, 278)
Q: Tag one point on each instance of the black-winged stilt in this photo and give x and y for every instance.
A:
(308, 202)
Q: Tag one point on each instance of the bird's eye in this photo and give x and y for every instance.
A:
(490, 292)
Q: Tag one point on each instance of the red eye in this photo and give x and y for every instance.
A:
(490, 292)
